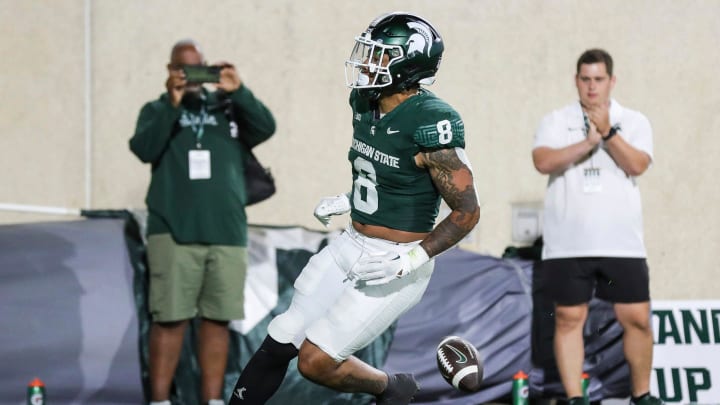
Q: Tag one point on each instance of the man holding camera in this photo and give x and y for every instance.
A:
(197, 226)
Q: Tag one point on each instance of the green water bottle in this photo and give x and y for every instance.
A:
(584, 384)
(36, 392)
(520, 388)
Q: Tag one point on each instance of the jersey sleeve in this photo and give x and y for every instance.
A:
(439, 127)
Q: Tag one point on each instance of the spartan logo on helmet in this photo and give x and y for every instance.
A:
(419, 40)
(396, 52)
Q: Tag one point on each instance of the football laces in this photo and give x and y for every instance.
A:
(444, 361)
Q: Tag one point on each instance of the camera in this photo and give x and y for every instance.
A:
(196, 74)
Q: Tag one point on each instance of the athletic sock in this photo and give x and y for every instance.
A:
(264, 373)
(639, 398)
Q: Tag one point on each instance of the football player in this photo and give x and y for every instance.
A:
(406, 154)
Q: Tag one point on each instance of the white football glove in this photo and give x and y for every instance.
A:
(385, 267)
(329, 206)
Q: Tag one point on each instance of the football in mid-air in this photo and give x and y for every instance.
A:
(459, 363)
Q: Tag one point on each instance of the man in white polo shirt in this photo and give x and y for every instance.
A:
(592, 150)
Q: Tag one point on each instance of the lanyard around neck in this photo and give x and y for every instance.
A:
(200, 128)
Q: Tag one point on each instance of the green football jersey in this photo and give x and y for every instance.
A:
(389, 189)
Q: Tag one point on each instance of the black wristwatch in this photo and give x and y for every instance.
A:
(611, 133)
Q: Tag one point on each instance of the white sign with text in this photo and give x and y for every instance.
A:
(686, 358)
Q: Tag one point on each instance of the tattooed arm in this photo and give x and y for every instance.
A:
(453, 177)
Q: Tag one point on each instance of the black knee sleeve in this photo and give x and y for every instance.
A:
(276, 351)
(264, 373)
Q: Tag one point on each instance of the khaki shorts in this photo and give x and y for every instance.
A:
(191, 280)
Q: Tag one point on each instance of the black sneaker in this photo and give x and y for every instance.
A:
(648, 400)
(578, 401)
(400, 390)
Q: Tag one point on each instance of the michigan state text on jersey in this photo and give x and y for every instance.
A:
(389, 189)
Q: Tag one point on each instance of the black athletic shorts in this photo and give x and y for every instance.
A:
(572, 281)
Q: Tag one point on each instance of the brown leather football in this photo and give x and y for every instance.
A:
(459, 363)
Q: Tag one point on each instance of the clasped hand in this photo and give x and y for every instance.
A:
(599, 116)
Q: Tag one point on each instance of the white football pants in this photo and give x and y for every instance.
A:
(342, 316)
